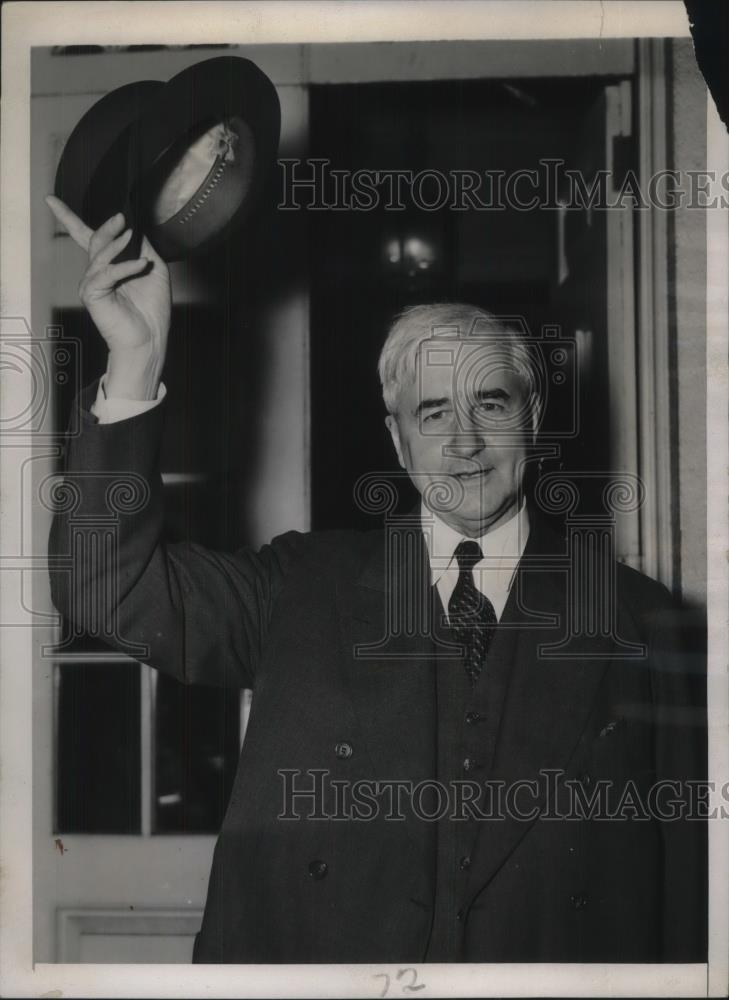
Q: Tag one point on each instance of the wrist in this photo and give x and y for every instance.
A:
(133, 374)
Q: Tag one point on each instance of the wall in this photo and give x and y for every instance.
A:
(688, 124)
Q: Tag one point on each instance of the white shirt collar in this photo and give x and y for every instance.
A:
(503, 545)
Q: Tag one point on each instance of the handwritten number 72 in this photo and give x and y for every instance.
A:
(412, 986)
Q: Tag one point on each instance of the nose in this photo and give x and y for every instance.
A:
(468, 438)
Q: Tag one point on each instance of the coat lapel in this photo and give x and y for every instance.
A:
(388, 653)
(537, 705)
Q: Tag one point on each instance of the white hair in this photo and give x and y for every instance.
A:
(416, 324)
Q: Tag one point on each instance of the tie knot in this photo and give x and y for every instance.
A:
(468, 553)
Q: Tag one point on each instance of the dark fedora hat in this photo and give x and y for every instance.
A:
(185, 160)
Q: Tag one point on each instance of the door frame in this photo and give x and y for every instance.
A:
(332, 63)
(656, 392)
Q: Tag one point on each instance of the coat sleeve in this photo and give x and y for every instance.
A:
(199, 615)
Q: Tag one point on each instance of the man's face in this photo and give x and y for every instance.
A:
(461, 432)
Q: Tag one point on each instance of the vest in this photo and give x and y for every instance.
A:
(466, 738)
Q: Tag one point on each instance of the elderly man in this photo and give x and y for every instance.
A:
(430, 773)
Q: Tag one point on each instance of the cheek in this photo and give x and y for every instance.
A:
(511, 461)
(409, 455)
(422, 453)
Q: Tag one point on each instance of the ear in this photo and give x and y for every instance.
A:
(391, 424)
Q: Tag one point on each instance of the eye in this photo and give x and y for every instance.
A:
(491, 406)
(435, 415)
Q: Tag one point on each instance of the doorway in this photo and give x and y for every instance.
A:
(559, 271)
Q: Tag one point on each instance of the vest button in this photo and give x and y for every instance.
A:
(579, 901)
(609, 729)
(470, 763)
(464, 863)
(343, 750)
(472, 718)
(318, 870)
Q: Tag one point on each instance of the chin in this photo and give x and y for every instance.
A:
(479, 508)
(474, 514)
(485, 512)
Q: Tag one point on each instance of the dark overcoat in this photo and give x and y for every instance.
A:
(335, 634)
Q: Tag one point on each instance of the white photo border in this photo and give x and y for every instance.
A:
(32, 24)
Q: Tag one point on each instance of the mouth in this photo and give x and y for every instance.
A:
(472, 476)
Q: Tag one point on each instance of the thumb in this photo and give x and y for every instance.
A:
(150, 253)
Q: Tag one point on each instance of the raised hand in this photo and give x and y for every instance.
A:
(129, 302)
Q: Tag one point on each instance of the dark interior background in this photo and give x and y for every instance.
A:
(503, 260)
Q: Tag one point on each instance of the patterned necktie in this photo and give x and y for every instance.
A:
(471, 615)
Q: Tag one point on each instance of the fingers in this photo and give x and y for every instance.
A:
(98, 283)
(105, 234)
(102, 245)
(76, 229)
(86, 238)
(109, 252)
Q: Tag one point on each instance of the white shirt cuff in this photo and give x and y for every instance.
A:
(109, 411)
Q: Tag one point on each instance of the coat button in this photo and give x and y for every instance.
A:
(579, 901)
(608, 729)
(464, 863)
(470, 763)
(473, 718)
(585, 779)
(343, 750)
(318, 869)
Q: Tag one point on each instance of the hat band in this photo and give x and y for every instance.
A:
(217, 199)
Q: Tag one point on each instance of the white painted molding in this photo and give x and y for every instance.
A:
(657, 449)
(74, 924)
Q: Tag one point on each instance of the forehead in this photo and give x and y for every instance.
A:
(445, 370)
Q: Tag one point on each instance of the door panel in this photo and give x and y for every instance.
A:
(112, 936)
(595, 301)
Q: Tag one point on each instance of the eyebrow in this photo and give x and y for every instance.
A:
(430, 404)
(493, 394)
